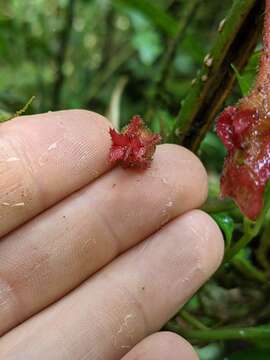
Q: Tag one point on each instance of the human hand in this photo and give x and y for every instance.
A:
(93, 260)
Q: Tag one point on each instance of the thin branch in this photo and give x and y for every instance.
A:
(108, 47)
(192, 320)
(116, 62)
(249, 270)
(114, 112)
(263, 249)
(238, 35)
(64, 39)
(251, 229)
(241, 333)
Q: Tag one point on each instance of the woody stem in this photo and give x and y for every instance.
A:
(262, 78)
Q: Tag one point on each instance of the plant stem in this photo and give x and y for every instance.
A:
(251, 229)
(215, 205)
(64, 38)
(192, 320)
(263, 248)
(18, 112)
(113, 66)
(169, 57)
(242, 333)
(238, 35)
(244, 241)
(245, 267)
(26, 106)
(108, 46)
(113, 113)
(264, 67)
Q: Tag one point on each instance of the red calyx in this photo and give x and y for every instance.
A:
(134, 146)
(246, 135)
(245, 131)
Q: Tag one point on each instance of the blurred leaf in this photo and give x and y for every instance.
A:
(4, 115)
(266, 198)
(148, 45)
(115, 104)
(157, 16)
(229, 304)
(246, 78)
(210, 352)
(193, 304)
(184, 62)
(192, 45)
(243, 81)
(162, 123)
(226, 224)
(212, 152)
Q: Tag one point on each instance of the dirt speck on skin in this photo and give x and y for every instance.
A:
(5, 203)
(166, 212)
(52, 146)
(165, 181)
(19, 204)
(12, 159)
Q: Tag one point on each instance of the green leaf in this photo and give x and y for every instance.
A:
(148, 45)
(247, 76)
(226, 224)
(162, 123)
(155, 14)
(243, 81)
(4, 115)
(212, 152)
(212, 351)
(266, 205)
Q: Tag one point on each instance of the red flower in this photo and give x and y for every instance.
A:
(246, 135)
(245, 131)
(135, 146)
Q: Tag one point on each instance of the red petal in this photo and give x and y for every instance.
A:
(135, 146)
(119, 139)
(134, 126)
(239, 183)
(247, 166)
(224, 127)
(117, 153)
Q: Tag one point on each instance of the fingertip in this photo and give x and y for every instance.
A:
(162, 345)
(209, 241)
(185, 173)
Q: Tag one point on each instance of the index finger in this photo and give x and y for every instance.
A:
(46, 157)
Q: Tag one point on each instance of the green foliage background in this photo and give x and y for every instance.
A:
(108, 40)
(111, 56)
